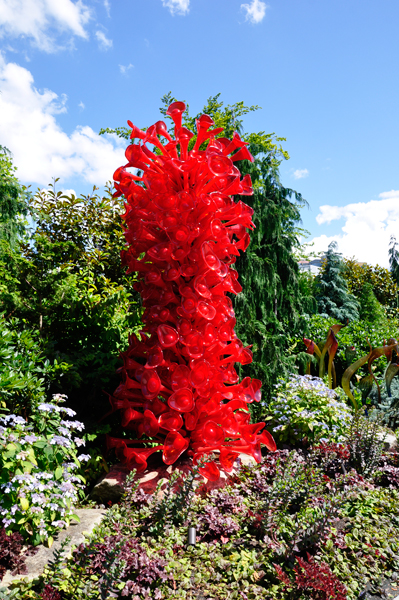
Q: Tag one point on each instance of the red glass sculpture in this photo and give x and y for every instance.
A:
(184, 231)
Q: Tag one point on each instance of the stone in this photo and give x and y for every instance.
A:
(89, 518)
(110, 486)
(390, 441)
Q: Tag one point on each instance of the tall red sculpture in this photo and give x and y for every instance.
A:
(184, 231)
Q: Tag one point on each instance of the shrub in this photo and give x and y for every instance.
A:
(10, 553)
(370, 309)
(383, 284)
(25, 373)
(38, 460)
(315, 578)
(282, 509)
(305, 410)
(365, 443)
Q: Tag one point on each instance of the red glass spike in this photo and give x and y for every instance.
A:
(267, 439)
(212, 434)
(199, 375)
(181, 377)
(167, 335)
(161, 129)
(175, 444)
(150, 383)
(182, 400)
(171, 420)
(227, 458)
(136, 132)
(210, 471)
(176, 110)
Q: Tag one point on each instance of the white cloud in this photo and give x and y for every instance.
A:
(177, 7)
(125, 68)
(103, 42)
(41, 149)
(81, 105)
(255, 11)
(107, 7)
(367, 229)
(38, 20)
(300, 173)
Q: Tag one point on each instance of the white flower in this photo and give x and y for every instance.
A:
(84, 457)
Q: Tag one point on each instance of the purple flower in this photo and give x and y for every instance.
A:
(79, 442)
(48, 408)
(84, 457)
(73, 425)
(60, 441)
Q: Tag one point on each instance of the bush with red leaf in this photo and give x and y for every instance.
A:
(50, 593)
(10, 553)
(315, 578)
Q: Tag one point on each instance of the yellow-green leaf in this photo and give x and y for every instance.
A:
(24, 503)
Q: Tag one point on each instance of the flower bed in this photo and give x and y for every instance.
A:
(298, 525)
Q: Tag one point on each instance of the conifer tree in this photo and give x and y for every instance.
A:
(12, 200)
(393, 254)
(270, 309)
(332, 294)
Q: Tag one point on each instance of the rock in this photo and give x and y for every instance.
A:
(110, 486)
(89, 517)
(390, 441)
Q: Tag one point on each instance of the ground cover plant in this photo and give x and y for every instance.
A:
(297, 525)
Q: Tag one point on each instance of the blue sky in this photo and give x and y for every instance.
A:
(325, 74)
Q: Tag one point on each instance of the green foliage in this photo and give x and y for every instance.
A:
(332, 294)
(66, 282)
(365, 443)
(271, 303)
(370, 309)
(357, 275)
(25, 373)
(37, 464)
(363, 546)
(305, 411)
(12, 201)
(359, 335)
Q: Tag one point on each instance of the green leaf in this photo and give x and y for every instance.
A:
(75, 517)
(24, 503)
(58, 473)
(40, 444)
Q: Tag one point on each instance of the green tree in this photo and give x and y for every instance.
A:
(332, 295)
(370, 309)
(12, 201)
(393, 254)
(357, 275)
